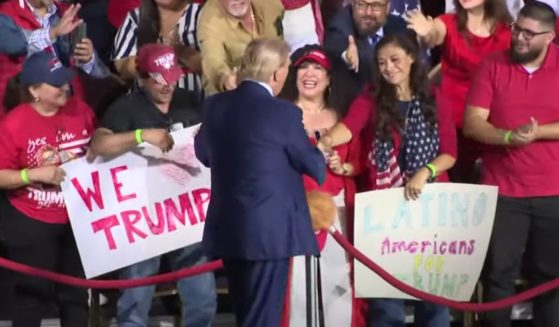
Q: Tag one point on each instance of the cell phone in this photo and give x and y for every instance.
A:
(79, 34)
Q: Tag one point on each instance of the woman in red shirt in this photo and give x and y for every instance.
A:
(477, 29)
(410, 143)
(322, 88)
(42, 131)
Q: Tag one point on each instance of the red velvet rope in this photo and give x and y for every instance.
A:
(108, 284)
(215, 265)
(463, 306)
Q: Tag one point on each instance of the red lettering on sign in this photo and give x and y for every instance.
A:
(129, 219)
(105, 224)
(90, 194)
(201, 196)
(172, 212)
(158, 228)
(118, 185)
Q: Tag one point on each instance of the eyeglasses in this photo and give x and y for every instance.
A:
(528, 35)
(363, 6)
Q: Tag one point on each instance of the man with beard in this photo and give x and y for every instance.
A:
(225, 28)
(513, 111)
(356, 29)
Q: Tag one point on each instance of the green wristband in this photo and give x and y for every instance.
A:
(138, 134)
(432, 169)
(507, 136)
(25, 176)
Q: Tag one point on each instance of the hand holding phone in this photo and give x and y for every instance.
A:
(78, 35)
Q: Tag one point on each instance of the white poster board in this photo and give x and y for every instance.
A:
(138, 205)
(436, 244)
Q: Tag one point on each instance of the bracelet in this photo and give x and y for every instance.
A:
(24, 176)
(432, 169)
(138, 134)
(507, 136)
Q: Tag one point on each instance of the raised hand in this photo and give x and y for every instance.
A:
(422, 25)
(67, 23)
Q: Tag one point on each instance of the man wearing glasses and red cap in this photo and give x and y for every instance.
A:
(147, 114)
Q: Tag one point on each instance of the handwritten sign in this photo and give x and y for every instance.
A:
(138, 205)
(436, 244)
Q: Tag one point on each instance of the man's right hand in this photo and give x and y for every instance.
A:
(67, 23)
(158, 137)
(351, 54)
(52, 175)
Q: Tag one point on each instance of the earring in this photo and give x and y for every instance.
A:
(36, 99)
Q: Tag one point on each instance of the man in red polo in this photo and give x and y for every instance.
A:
(513, 110)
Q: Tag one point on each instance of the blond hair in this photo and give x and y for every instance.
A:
(262, 58)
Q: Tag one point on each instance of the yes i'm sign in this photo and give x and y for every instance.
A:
(436, 244)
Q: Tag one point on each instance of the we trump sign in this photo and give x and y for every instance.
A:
(138, 205)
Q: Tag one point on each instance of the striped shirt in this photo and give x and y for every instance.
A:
(126, 40)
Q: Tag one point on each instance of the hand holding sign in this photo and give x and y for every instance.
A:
(137, 205)
(52, 175)
(414, 186)
(158, 137)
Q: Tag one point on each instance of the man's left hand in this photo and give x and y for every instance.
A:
(84, 51)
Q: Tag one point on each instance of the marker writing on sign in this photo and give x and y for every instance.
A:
(160, 217)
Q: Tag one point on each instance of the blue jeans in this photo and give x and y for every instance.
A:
(391, 313)
(198, 293)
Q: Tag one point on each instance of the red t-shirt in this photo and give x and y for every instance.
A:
(512, 96)
(117, 10)
(30, 140)
(360, 118)
(461, 57)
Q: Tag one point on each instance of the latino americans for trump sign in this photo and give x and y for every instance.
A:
(138, 205)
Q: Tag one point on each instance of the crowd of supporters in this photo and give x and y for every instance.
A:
(396, 93)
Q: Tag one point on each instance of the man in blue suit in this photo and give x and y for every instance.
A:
(356, 29)
(258, 216)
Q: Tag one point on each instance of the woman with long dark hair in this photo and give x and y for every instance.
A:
(323, 88)
(477, 29)
(42, 129)
(172, 22)
(408, 144)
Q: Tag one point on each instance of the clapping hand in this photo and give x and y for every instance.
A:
(525, 134)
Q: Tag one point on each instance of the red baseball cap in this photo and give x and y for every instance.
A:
(160, 63)
(315, 56)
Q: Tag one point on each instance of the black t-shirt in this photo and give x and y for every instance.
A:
(136, 110)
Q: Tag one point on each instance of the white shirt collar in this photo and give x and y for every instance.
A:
(380, 32)
(264, 85)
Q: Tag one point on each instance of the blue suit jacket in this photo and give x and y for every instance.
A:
(257, 150)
